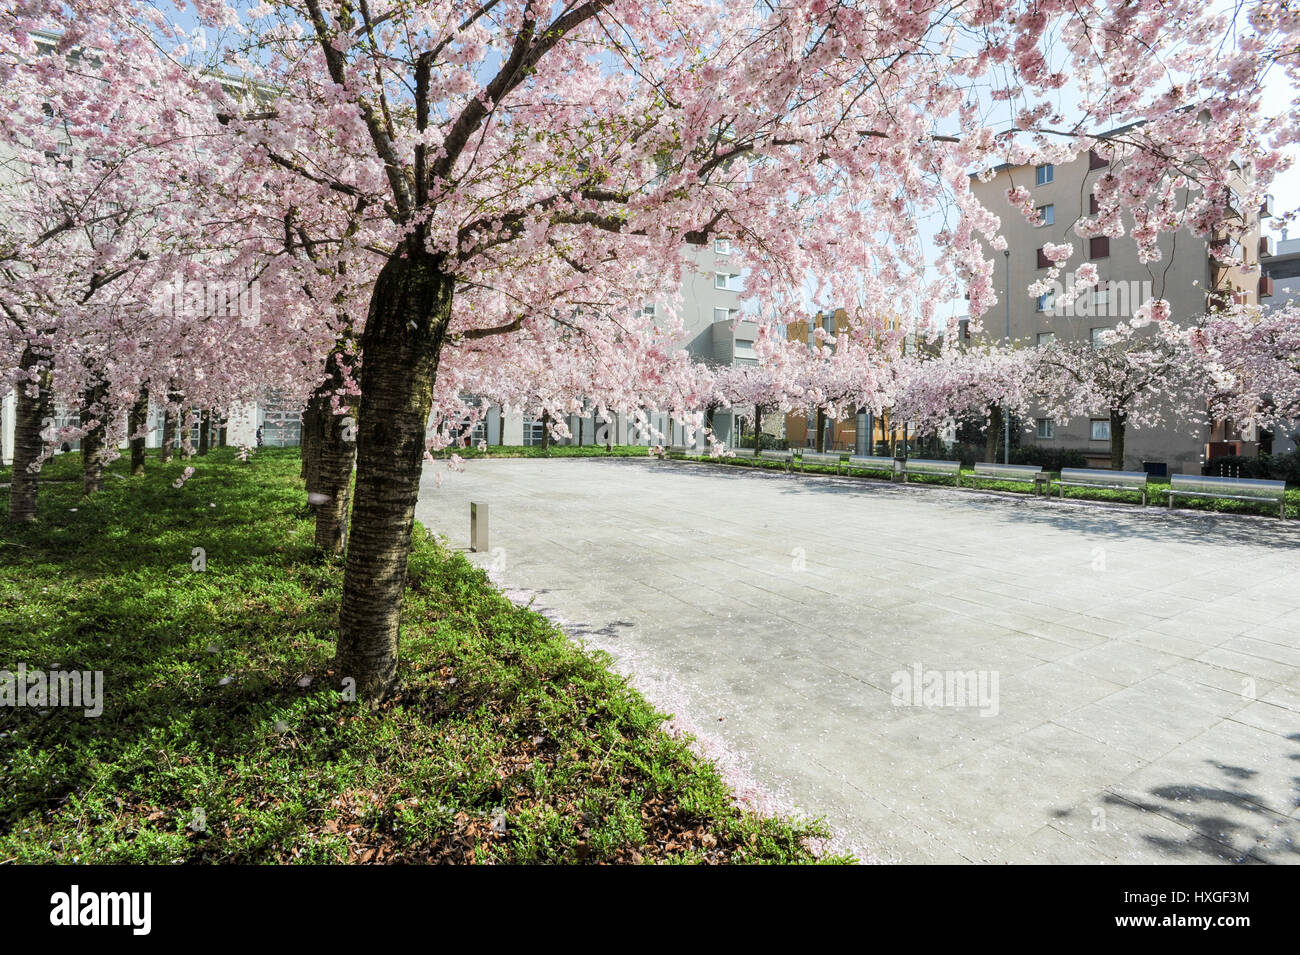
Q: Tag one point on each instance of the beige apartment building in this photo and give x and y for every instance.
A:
(1190, 271)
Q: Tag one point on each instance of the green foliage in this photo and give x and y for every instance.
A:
(1268, 467)
(1049, 458)
(769, 442)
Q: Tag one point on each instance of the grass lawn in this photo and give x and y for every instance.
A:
(221, 741)
(1155, 488)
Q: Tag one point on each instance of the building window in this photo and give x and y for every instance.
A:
(533, 429)
(722, 246)
(1097, 336)
(1099, 247)
(1046, 430)
(726, 280)
(724, 314)
(1095, 161)
(1099, 429)
(1093, 205)
(1046, 338)
(1046, 215)
(1043, 261)
(1100, 301)
(1044, 174)
(649, 310)
(1046, 302)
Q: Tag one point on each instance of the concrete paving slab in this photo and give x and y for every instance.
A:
(1140, 694)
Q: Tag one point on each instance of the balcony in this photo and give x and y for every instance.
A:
(1266, 286)
(1267, 246)
(1226, 252)
(1266, 207)
(1232, 199)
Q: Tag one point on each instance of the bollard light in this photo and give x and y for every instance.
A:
(478, 527)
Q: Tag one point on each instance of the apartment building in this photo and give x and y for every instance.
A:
(1280, 282)
(1280, 264)
(1190, 271)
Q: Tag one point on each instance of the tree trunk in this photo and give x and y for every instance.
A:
(308, 441)
(168, 435)
(186, 426)
(758, 429)
(820, 441)
(993, 438)
(410, 309)
(137, 421)
(30, 415)
(93, 447)
(335, 481)
(329, 448)
(546, 431)
(205, 425)
(171, 423)
(1118, 425)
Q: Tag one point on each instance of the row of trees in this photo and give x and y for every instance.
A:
(413, 201)
(1239, 364)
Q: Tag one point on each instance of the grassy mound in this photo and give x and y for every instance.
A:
(222, 741)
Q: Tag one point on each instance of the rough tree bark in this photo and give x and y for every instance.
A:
(1118, 426)
(168, 435)
(308, 445)
(410, 309)
(205, 427)
(171, 422)
(184, 421)
(993, 436)
(546, 431)
(758, 429)
(94, 451)
(30, 415)
(136, 422)
(820, 440)
(329, 449)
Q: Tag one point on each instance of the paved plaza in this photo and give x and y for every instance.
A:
(943, 675)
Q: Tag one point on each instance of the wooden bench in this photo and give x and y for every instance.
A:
(1231, 489)
(829, 459)
(1024, 473)
(785, 457)
(1104, 480)
(930, 467)
(870, 462)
